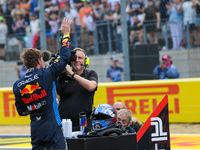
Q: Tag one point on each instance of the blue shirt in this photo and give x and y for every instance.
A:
(114, 73)
(133, 5)
(175, 17)
(167, 73)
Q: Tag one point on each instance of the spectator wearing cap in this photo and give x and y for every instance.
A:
(34, 24)
(86, 7)
(166, 70)
(3, 33)
(114, 71)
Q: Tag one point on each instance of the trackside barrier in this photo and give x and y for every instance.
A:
(141, 97)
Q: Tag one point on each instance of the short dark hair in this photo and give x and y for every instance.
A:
(30, 57)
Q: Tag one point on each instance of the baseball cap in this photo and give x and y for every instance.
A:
(1, 18)
(47, 10)
(166, 57)
(114, 58)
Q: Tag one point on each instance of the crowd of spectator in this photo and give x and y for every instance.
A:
(22, 20)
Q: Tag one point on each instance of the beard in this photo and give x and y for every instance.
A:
(77, 67)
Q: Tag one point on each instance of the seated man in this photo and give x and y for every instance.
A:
(135, 124)
(124, 116)
(166, 70)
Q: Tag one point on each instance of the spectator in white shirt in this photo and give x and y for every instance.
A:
(34, 29)
(189, 17)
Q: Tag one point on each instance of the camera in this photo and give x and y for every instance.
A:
(55, 56)
(119, 125)
(19, 63)
(51, 57)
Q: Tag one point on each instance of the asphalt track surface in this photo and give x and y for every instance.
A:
(22, 142)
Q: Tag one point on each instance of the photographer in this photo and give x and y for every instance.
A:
(35, 94)
(124, 116)
(166, 70)
(135, 123)
(76, 89)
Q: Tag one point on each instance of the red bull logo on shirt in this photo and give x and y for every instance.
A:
(34, 97)
(29, 89)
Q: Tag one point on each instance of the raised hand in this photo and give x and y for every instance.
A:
(65, 26)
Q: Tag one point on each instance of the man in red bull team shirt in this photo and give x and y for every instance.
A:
(35, 94)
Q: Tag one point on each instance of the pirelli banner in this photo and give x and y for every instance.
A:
(141, 97)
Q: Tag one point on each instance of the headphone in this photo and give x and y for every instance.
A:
(87, 59)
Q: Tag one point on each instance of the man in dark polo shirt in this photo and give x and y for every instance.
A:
(76, 88)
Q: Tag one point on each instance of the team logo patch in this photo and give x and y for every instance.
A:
(29, 89)
(65, 42)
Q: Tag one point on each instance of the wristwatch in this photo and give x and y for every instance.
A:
(73, 75)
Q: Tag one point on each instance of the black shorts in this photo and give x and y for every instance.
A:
(90, 33)
(192, 27)
(2, 45)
